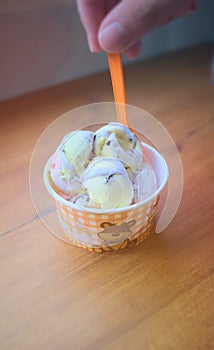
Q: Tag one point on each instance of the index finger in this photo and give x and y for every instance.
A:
(91, 14)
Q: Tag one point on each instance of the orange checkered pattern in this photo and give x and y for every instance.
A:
(83, 227)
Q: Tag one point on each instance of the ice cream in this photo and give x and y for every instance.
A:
(70, 159)
(102, 170)
(145, 183)
(107, 184)
(117, 141)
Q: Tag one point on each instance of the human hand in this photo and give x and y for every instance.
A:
(118, 25)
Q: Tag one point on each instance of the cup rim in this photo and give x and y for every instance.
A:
(60, 199)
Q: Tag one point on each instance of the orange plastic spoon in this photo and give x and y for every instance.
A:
(118, 84)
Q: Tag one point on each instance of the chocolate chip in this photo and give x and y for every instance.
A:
(109, 177)
(108, 143)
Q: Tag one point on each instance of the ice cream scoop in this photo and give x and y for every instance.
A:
(70, 159)
(107, 184)
(117, 141)
(77, 147)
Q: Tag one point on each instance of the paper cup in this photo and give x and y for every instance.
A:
(114, 230)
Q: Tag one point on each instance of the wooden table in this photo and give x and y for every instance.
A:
(156, 296)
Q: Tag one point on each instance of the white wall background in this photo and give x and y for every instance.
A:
(42, 43)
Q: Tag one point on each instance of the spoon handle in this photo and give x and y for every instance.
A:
(117, 79)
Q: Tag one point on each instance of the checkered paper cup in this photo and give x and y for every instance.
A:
(114, 230)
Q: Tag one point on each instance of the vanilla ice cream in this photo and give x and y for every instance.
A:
(117, 141)
(102, 170)
(70, 159)
(107, 183)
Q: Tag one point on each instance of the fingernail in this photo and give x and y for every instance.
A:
(93, 47)
(113, 38)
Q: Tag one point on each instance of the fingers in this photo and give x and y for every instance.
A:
(134, 51)
(91, 14)
(187, 8)
(183, 11)
(118, 25)
(127, 22)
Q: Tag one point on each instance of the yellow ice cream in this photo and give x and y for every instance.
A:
(69, 160)
(107, 184)
(103, 170)
(77, 147)
(117, 141)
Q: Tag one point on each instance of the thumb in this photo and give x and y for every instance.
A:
(129, 20)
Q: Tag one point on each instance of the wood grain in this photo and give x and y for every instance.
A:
(159, 295)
